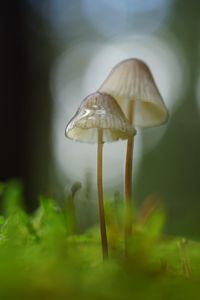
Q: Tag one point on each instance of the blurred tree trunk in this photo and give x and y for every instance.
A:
(25, 101)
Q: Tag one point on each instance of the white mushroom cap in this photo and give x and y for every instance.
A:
(99, 111)
(131, 80)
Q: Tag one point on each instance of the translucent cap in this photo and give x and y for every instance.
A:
(131, 80)
(99, 111)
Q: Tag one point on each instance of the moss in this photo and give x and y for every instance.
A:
(41, 259)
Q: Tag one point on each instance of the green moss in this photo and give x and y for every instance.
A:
(40, 258)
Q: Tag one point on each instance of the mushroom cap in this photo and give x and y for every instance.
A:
(131, 80)
(99, 111)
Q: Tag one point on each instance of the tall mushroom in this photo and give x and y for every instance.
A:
(131, 83)
(99, 119)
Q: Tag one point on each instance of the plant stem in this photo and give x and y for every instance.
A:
(128, 179)
(104, 241)
(129, 159)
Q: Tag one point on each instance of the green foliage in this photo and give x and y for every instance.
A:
(42, 256)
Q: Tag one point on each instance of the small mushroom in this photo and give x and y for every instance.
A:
(131, 83)
(99, 119)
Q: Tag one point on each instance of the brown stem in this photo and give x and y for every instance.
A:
(129, 159)
(128, 170)
(104, 241)
(128, 179)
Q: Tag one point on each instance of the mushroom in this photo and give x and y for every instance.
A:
(131, 83)
(99, 119)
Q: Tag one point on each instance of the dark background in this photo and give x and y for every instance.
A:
(25, 99)
(27, 51)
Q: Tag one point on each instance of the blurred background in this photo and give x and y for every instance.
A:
(53, 54)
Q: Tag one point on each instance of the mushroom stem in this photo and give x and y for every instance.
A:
(129, 159)
(104, 241)
(128, 172)
(128, 178)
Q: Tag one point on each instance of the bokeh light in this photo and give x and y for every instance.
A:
(107, 18)
(132, 16)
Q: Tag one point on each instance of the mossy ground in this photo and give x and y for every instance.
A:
(41, 257)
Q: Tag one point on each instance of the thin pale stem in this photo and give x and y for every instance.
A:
(104, 241)
(128, 179)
